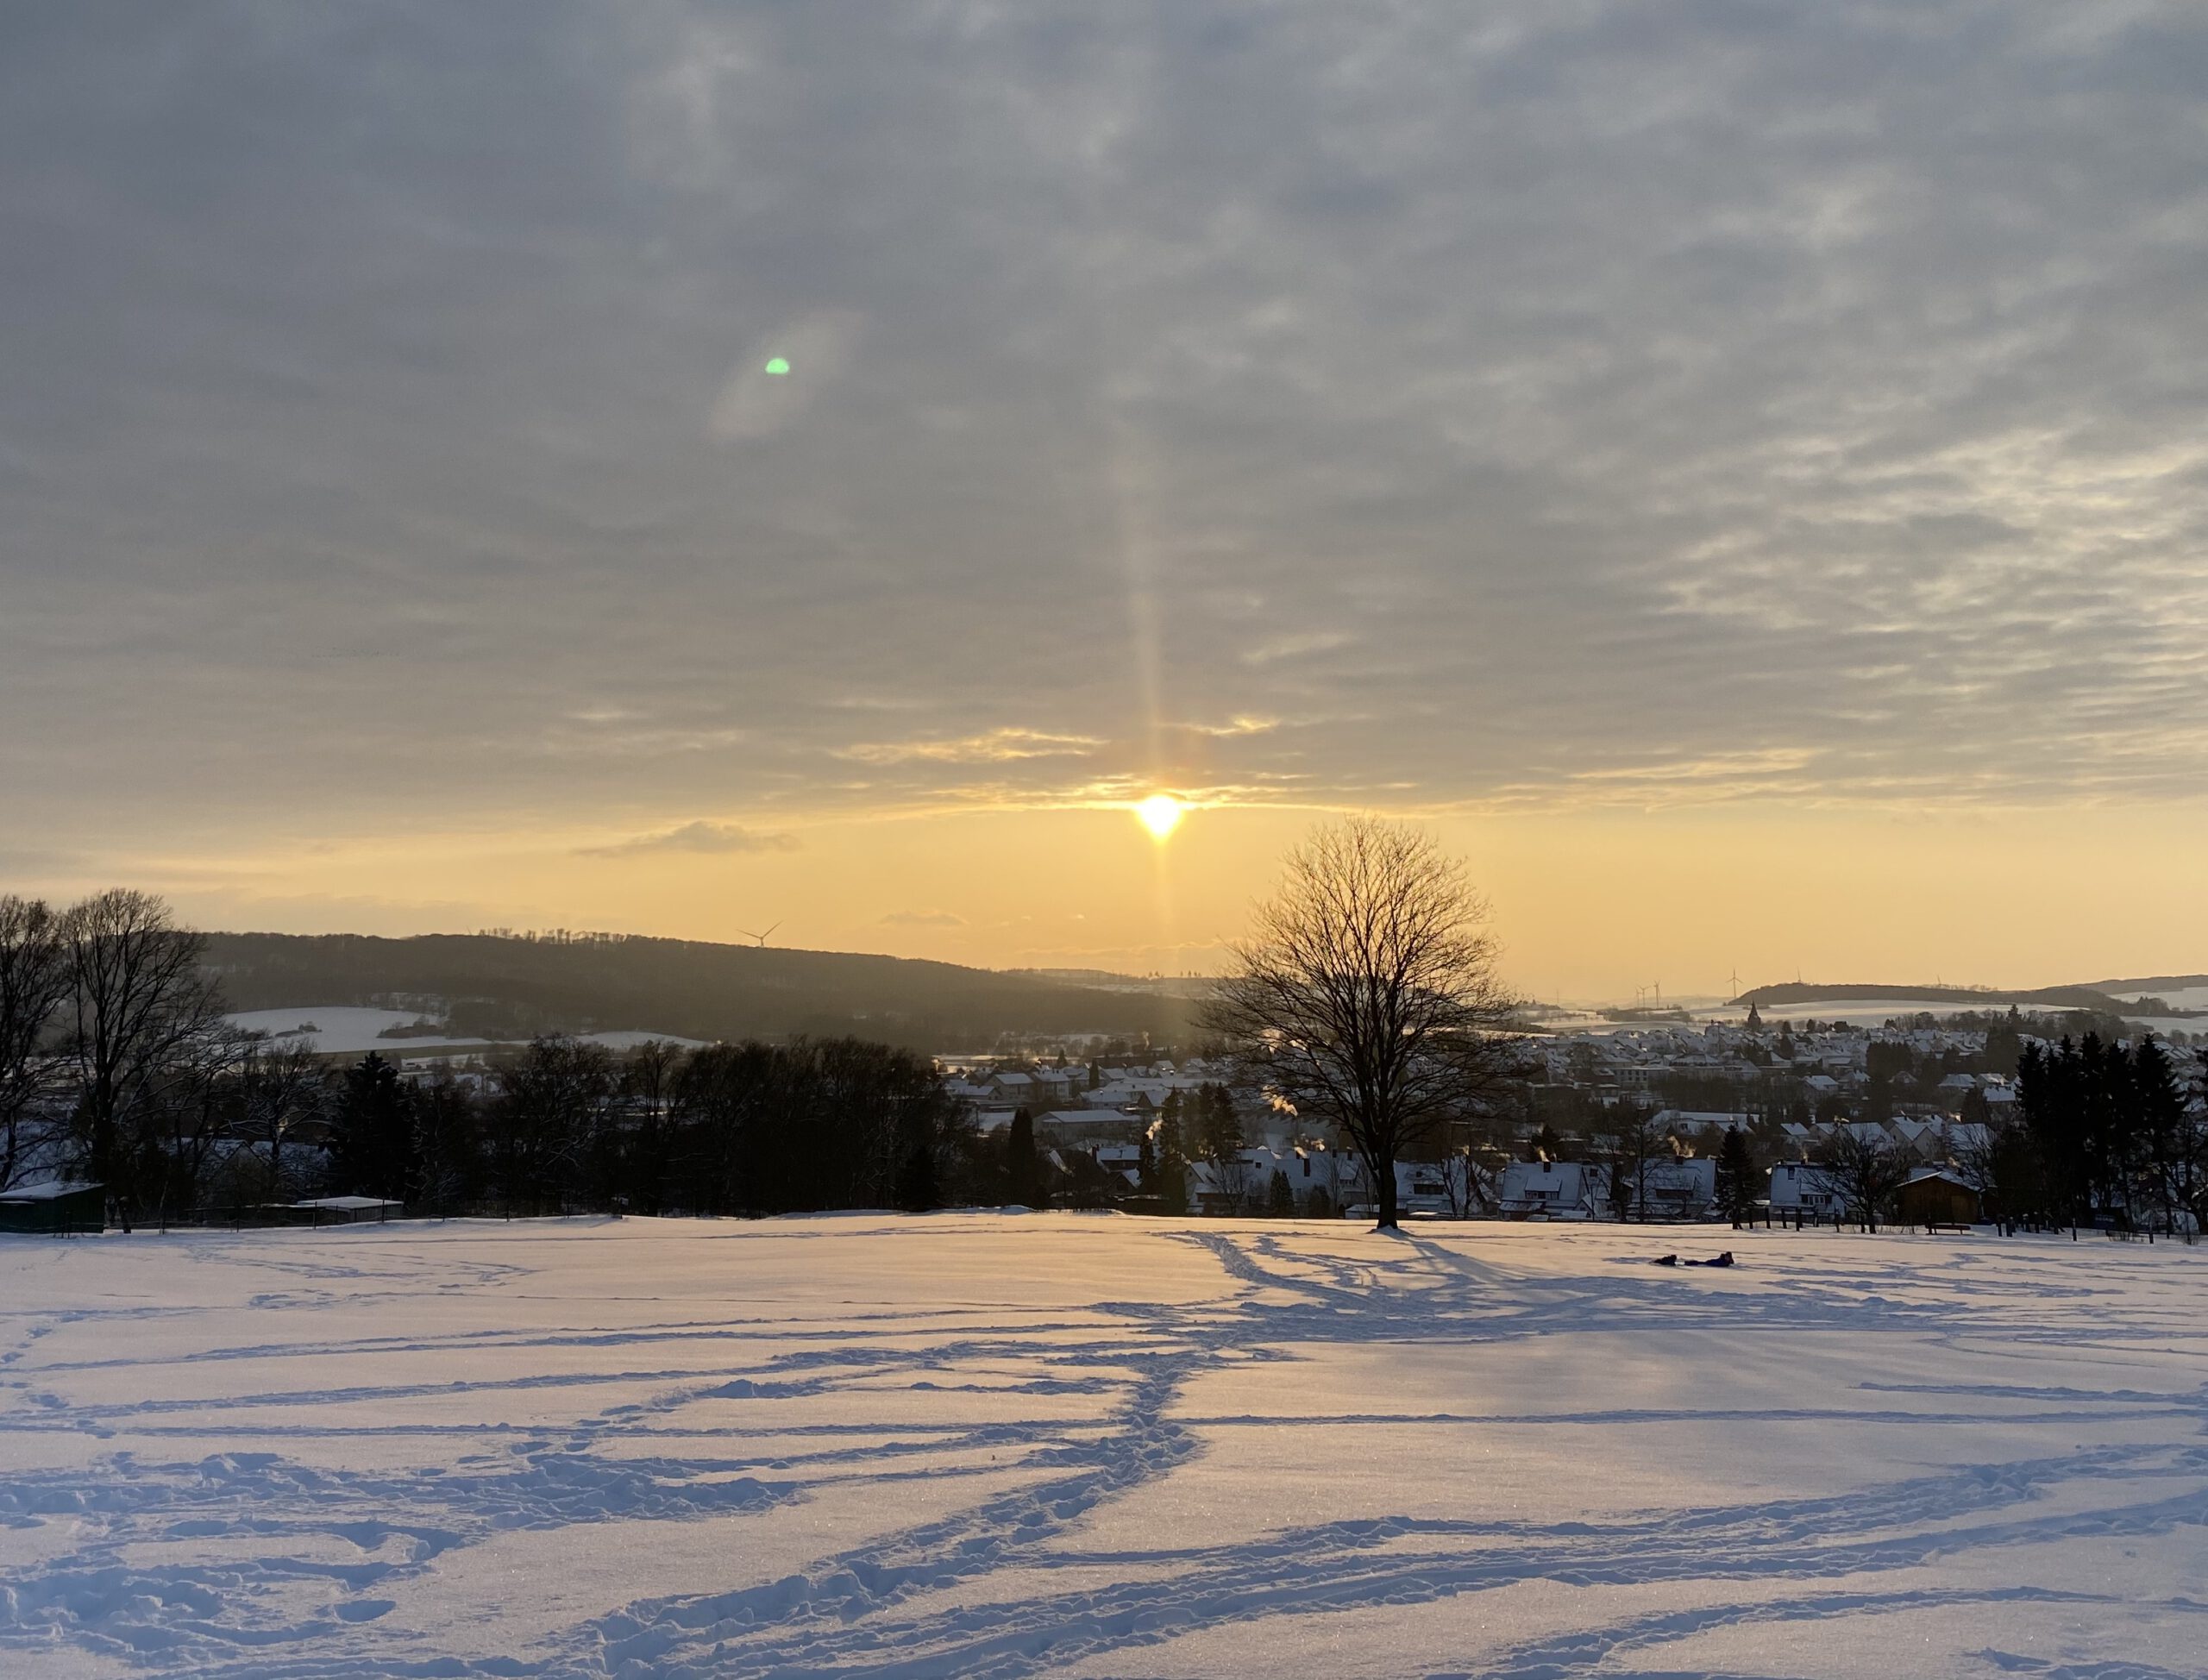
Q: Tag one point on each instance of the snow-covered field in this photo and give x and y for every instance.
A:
(974, 1444)
(345, 1029)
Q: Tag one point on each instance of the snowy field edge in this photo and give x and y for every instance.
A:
(982, 1443)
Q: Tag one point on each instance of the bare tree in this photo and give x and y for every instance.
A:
(1636, 1143)
(1470, 1164)
(283, 1093)
(1365, 994)
(1866, 1171)
(138, 1000)
(194, 1121)
(33, 979)
(648, 1082)
(554, 1100)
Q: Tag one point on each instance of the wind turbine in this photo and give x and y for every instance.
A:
(758, 939)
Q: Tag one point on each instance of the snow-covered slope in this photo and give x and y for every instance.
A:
(345, 1029)
(1098, 1445)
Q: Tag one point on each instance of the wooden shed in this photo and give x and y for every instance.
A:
(58, 1207)
(1933, 1195)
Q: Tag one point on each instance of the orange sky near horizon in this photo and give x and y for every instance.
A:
(1589, 906)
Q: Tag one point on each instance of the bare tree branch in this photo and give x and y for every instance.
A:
(1366, 996)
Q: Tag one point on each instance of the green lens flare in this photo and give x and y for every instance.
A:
(778, 366)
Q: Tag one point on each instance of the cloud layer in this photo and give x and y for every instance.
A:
(1549, 404)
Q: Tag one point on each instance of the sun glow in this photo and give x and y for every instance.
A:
(1161, 814)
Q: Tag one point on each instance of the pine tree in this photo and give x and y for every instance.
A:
(1280, 1195)
(2004, 1044)
(917, 1189)
(1736, 1187)
(2167, 1132)
(373, 1132)
(1171, 1146)
(1023, 1169)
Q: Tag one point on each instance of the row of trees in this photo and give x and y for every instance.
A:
(114, 1053)
(2104, 1130)
(747, 1128)
(118, 1066)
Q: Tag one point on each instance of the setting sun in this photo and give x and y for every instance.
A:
(1161, 814)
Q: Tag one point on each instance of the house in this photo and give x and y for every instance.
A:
(1552, 1189)
(1056, 1085)
(1683, 1189)
(1709, 1123)
(1087, 1126)
(1422, 1187)
(1242, 1181)
(1803, 1190)
(1935, 1195)
(1926, 1139)
(1124, 1159)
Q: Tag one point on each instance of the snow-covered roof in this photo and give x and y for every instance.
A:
(52, 1189)
(348, 1204)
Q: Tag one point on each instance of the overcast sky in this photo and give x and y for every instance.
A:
(1476, 411)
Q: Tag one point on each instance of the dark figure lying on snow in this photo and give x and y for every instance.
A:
(1724, 1259)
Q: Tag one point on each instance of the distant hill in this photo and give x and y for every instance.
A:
(1957, 997)
(2156, 983)
(494, 986)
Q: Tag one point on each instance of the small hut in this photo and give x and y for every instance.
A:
(57, 1206)
(1933, 1195)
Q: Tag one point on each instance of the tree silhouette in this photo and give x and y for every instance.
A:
(1366, 994)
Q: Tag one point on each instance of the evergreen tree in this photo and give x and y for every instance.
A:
(1280, 1195)
(2004, 1045)
(917, 1187)
(1736, 1177)
(2043, 1113)
(1219, 1141)
(1168, 1178)
(373, 1133)
(1319, 1205)
(919, 1179)
(1023, 1167)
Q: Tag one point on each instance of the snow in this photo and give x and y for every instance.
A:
(1098, 1445)
(2177, 997)
(342, 1030)
(345, 1029)
(51, 1189)
(348, 1204)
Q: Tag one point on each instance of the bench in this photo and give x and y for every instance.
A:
(1933, 1228)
